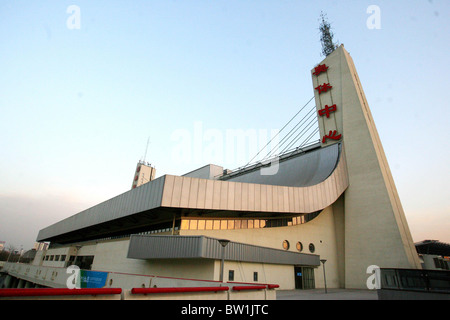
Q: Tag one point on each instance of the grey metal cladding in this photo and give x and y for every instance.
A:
(145, 197)
(183, 247)
(162, 247)
(304, 170)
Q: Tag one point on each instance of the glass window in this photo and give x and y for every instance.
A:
(223, 224)
(299, 246)
(250, 224)
(209, 224)
(231, 275)
(286, 245)
(255, 276)
(184, 224)
(243, 224)
(436, 262)
(312, 248)
(237, 224)
(216, 224)
(193, 225)
(63, 257)
(201, 224)
(230, 224)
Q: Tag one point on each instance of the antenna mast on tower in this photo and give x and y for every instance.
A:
(326, 36)
(146, 148)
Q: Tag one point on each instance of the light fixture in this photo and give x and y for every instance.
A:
(324, 277)
(223, 243)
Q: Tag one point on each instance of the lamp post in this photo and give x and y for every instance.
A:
(223, 243)
(324, 276)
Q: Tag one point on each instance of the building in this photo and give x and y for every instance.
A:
(40, 246)
(434, 255)
(144, 173)
(332, 201)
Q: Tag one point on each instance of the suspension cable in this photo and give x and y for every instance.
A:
(280, 130)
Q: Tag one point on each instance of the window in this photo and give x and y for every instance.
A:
(63, 257)
(312, 248)
(255, 276)
(299, 246)
(286, 245)
(230, 275)
(436, 263)
(57, 257)
(184, 224)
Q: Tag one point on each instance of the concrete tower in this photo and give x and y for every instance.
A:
(144, 173)
(375, 230)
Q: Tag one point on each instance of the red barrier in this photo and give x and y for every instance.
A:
(240, 288)
(175, 290)
(35, 292)
(272, 286)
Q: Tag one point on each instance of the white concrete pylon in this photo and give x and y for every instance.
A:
(376, 231)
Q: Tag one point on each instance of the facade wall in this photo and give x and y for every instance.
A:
(111, 256)
(283, 275)
(321, 232)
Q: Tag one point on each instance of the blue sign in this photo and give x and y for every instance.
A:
(93, 279)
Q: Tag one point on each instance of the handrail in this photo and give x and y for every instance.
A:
(272, 286)
(240, 288)
(33, 292)
(177, 289)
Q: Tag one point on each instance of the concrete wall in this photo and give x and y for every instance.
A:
(25, 276)
(325, 232)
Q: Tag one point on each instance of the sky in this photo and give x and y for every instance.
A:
(86, 87)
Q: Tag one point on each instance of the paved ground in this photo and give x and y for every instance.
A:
(332, 294)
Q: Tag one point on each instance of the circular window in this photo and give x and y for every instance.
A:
(299, 246)
(312, 248)
(286, 245)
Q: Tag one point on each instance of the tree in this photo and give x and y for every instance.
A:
(9, 254)
(326, 36)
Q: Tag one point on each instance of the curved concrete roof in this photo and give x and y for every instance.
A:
(300, 170)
